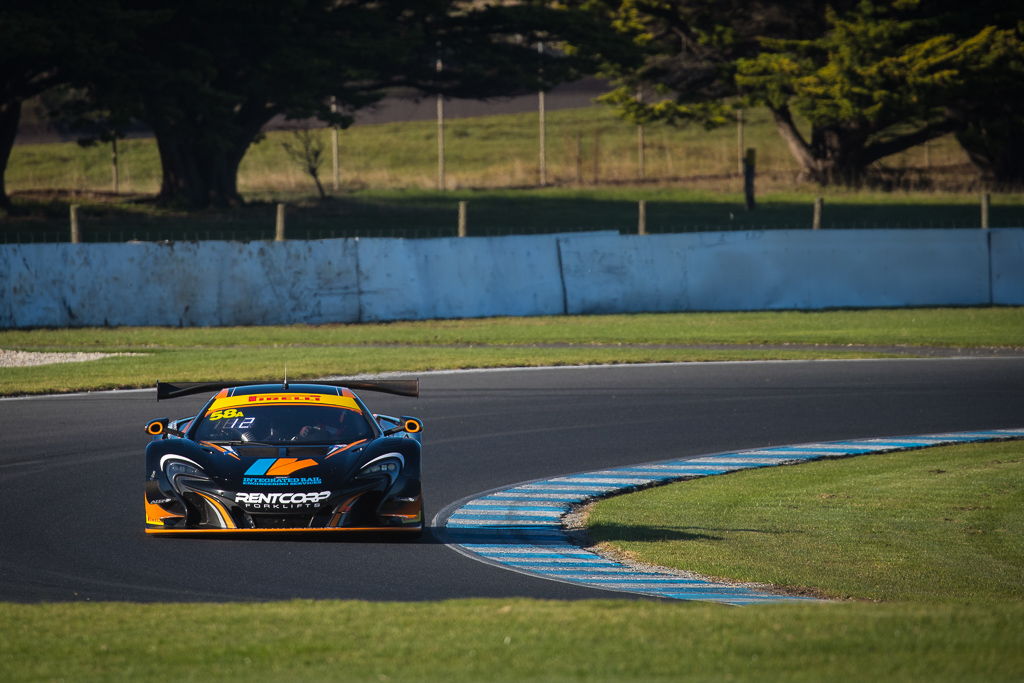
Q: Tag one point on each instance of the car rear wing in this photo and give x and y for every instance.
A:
(399, 387)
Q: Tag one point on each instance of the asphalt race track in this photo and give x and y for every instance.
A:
(71, 468)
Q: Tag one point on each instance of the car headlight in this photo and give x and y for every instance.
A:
(177, 467)
(390, 464)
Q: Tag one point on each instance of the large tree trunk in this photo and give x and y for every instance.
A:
(10, 115)
(835, 155)
(200, 161)
(843, 154)
(996, 148)
(197, 172)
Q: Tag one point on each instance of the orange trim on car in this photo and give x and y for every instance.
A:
(296, 530)
(156, 514)
(282, 467)
(344, 448)
(220, 448)
(220, 509)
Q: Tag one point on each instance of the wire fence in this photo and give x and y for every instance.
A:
(265, 234)
(491, 215)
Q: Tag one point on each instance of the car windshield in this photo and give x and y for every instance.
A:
(283, 424)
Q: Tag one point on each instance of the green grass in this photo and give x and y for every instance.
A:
(389, 176)
(485, 151)
(509, 640)
(316, 351)
(936, 526)
(966, 327)
(937, 534)
(937, 627)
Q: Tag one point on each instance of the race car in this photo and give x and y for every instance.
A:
(284, 458)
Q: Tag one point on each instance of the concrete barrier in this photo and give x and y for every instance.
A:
(1007, 249)
(350, 280)
(776, 269)
(403, 279)
(178, 284)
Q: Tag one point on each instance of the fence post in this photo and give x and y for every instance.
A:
(819, 204)
(335, 169)
(542, 152)
(114, 171)
(985, 200)
(279, 226)
(749, 163)
(739, 139)
(579, 158)
(462, 219)
(441, 183)
(641, 143)
(76, 234)
(641, 218)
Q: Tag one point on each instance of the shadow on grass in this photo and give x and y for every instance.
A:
(490, 213)
(613, 533)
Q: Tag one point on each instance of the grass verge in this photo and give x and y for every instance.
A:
(263, 352)
(942, 525)
(959, 622)
(510, 640)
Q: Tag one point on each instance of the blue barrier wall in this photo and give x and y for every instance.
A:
(777, 269)
(351, 280)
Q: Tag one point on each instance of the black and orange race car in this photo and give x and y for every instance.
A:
(285, 457)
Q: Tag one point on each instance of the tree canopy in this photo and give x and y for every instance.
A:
(848, 82)
(40, 42)
(206, 77)
(869, 78)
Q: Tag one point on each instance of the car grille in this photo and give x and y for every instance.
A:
(280, 521)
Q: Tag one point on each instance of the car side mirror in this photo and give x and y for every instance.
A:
(160, 428)
(409, 425)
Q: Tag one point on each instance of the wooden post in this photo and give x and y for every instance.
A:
(542, 161)
(579, 158)
(819, 204)
(641, 222)
(115, 175)
(76, 235)
(985, 200)
(334, 147)
(641, 161)
(462, 219)
(597, 157)
(279, 226)
(749, 164)
(542, 154)
(739, 139)
(440, 135)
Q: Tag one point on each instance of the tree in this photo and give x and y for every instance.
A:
(879, 80)
(44, 44)
(990, 106)
(306, 148)
(206, 77)
(873, 84)
(685, 53)
(870, 78)
(35, 39)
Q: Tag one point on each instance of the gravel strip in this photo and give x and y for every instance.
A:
(20, 359)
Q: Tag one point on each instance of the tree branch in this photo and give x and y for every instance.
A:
(798, 146)
(880, 150)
